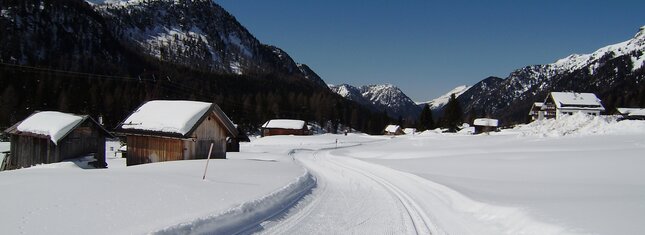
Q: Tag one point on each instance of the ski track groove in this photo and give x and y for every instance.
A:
(312, 204)
(419, 219)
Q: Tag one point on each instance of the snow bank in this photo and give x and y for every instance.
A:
(581, 124)
(50, 123)
(247, 216)
(146, 198)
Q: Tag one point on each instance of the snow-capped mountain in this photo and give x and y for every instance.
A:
(608, 71)
(380, 97)
(199, 34)
(439, 102)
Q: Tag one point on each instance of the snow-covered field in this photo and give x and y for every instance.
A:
(578, 175)
(580, 184)
(166, 197)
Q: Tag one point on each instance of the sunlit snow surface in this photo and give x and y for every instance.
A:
(576, 175)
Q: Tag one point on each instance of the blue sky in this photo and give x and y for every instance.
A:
(427, 48)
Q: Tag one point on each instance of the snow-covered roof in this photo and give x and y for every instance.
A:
(167, 116)
(54, 124)
(284, 124)
(538, 104)
(409, 130)
(632, 111)
(486, 122)
(392, 128)
(574, 99)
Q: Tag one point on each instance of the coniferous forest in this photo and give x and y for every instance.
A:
(61, 55)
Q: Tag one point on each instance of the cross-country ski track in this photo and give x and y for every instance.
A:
(353, 196)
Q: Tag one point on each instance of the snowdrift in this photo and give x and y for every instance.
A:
(581, 124)
(247, 217)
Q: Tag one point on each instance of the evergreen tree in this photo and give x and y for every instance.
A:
(452, 114)
(426, 121)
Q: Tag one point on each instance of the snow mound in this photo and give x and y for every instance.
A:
(581, 124)
(247, 217)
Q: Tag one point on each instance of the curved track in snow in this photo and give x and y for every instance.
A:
(352, 197)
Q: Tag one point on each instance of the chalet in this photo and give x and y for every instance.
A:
(285, 127)
(168, 130)
(632, 113)
(567, 103)
(50, 137)
(536, 112)
(485, 125)
(393, 130)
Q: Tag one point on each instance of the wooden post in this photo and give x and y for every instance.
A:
(207, 160)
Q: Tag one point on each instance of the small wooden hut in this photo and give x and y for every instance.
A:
(485, 125)
(393, 130)
(168, 130)
(631, 113)
(49, 137)
(285, 127)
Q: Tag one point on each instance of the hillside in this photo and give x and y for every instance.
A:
(107, 57)
(615, 73)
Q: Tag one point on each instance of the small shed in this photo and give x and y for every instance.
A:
(410, 131)
(168, 130)
(285, 127)
(632, 113)
(50, 137)
(485, 125)
(393, 130)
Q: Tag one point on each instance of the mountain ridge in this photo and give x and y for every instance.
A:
(380, 97)
(608, 71)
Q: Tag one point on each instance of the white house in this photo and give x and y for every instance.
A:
(536, 112)
(567, 103)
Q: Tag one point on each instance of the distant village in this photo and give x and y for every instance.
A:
(170, 130)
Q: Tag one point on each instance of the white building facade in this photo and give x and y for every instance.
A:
(557, 104)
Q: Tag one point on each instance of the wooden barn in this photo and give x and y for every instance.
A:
(485, 125)
(393, 130)
(49, 137)
(169, 130)
(285, 127)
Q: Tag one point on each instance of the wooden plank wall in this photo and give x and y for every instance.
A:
(209, 131)
(27, 151)
(276, 131)
(147, 149)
